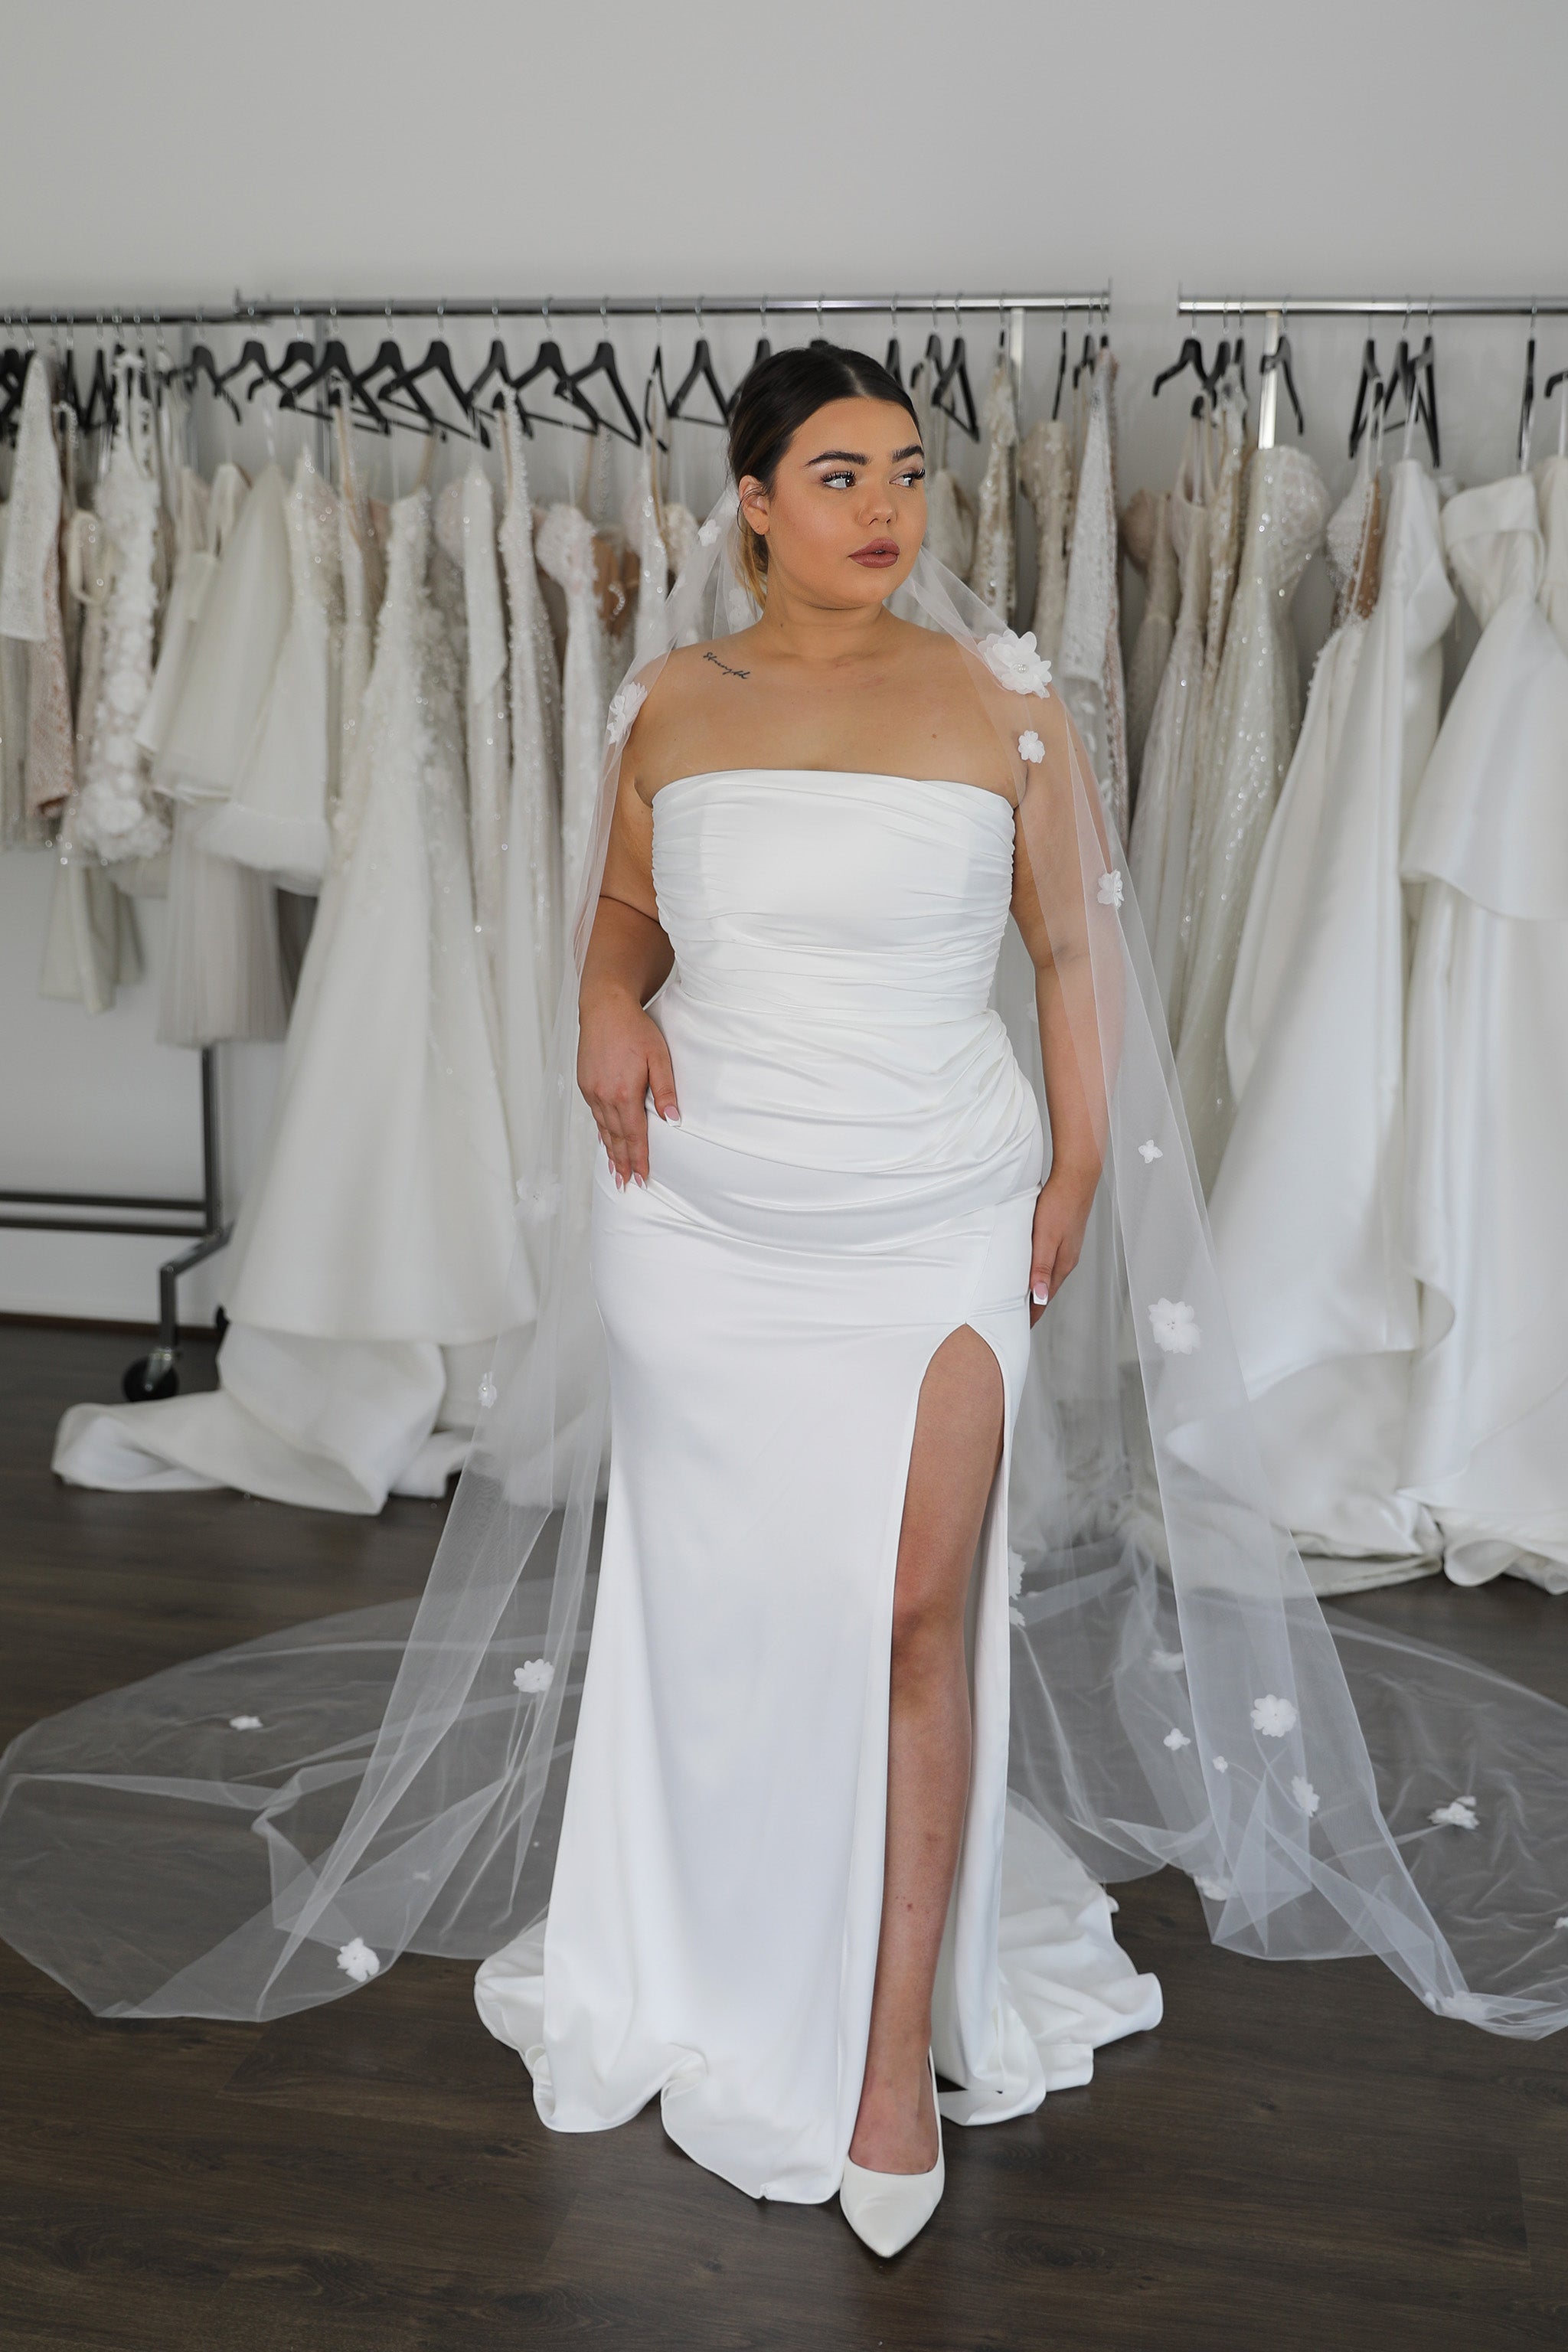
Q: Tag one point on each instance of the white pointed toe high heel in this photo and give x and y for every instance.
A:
(886, 2209)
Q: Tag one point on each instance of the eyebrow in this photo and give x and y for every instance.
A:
(859, 457)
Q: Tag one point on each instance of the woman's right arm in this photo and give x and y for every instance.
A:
(621, 1052)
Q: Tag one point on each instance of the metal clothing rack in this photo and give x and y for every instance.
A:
(1274, 309)
(157, 1375)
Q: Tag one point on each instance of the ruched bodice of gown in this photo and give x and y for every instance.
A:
(835, 937)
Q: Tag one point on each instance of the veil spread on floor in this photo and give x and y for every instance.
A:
(261, 1830)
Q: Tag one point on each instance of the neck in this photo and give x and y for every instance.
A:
(801, 627)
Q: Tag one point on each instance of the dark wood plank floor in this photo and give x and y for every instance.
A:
(1299, 2157)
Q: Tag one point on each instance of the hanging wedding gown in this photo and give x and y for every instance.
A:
(377, 1232)
(533, 947)
(715, 1916)
(30, 614)
(564, 548)
(238, 635)
(1255, 712)
(1163, 819)
(993, 567)
(117, 816)
(1487, 1437)
(1307, 1210)
(1090, 663)
(465, 528)
(277, 818)
(1045, 475)
(1149, 544)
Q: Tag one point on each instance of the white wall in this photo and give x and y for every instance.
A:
(175, 151)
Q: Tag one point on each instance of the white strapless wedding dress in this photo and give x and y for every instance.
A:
(853, 1177)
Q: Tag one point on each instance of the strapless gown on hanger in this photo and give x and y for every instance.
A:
(853, 1177)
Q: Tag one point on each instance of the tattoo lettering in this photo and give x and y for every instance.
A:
(725, 666)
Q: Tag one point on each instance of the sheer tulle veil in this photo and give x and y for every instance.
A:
(264, 1829)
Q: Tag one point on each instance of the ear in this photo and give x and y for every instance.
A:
(754, 502)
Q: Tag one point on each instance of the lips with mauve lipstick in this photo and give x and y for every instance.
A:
(876, 554)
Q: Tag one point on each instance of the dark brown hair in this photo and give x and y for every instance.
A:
(773, 401)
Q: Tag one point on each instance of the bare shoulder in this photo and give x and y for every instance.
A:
(678, 700)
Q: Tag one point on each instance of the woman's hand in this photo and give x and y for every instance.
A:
(1061, 1215)
(621, 1054)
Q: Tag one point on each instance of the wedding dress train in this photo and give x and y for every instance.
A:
(853, 1177)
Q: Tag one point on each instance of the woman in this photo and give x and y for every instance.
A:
(846, 1230)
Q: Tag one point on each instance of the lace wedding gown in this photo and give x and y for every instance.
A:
(117, 816)
(1487, 1436)
(566, 550)
(1163, 820)
(1307, 1210)
(994, 569)
(1148, 543)
(854, 1176)
(369, 1265)
(1255, 715)
(1045, 475)
(1090, 663)
(30, 615)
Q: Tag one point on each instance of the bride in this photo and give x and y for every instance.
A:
(829, 1234)
(933, 1578)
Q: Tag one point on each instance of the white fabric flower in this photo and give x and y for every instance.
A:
(1306, 1796)
(357, 1961)
(1174, 1738)
(1015, 662)
(245, 1723)
(1174, 1327)
(1564, 1921)
(628, 700)
(1460, 1815)
(1015, 1614)
(1149, 1152)
(1273, 1717)
(487, 1391)
(708, 531)
(1216, 1889)
(538, 1198)
(1015, 1572)
(1220, 1763)
(535, 1675)
(1030, 748)
(1170, 1662)
(1110, 889)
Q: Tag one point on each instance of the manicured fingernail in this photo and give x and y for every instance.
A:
(671, 1117)
(641, 1183)
(1041, 1294)
(620, 1181)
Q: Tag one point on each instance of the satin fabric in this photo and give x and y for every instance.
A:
(1307, 1209)
(853, 1177)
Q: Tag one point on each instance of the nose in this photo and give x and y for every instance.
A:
(879, 503)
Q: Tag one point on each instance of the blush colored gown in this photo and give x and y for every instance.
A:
(853, 1177)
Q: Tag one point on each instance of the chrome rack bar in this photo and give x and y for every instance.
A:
(247, 308)
(1376, 306)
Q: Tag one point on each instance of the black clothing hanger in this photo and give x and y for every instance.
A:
(1062, 374)
(548, 360)
(388, 362)
(957, 372)
(700, 372)
(1191, 356)
(1371, 381)
(604, 363)
(253, 355)
(337, 370)
(202, 363)
(1527, 406)
(437, 360)
(1279, 357)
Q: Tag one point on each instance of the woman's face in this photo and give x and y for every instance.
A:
(846, 513)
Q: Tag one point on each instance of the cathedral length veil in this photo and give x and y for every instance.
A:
(261, 1830)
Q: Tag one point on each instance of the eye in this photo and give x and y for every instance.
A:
(913, 474)
(839, 474)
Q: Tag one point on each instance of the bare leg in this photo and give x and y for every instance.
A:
(957, 1447)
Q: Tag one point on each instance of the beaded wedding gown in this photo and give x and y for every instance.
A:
(1487, 1058)
(1242, 761)
(1163, 820)
(858, 1160)
(1307, 1210)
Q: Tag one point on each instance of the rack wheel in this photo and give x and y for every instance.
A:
(151, 1378)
